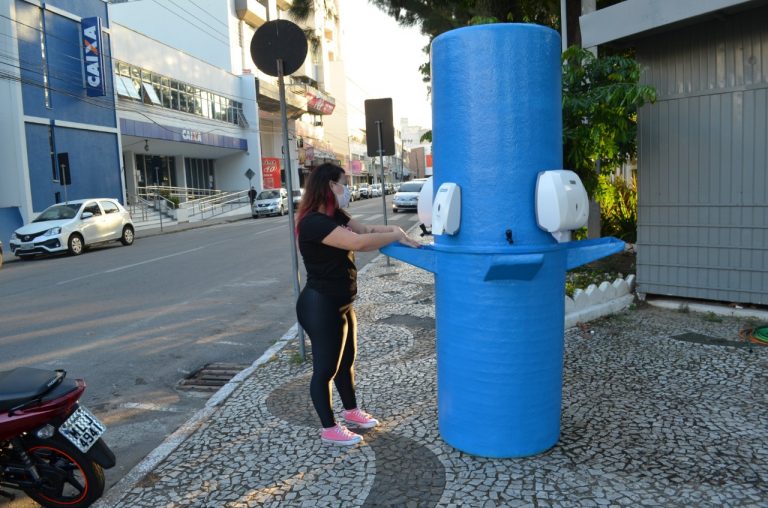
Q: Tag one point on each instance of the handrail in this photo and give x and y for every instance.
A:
(215, 204)
(183, 193)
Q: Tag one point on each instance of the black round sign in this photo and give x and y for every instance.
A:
(278, 40)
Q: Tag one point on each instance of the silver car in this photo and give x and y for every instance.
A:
(270, 202)
(73, 226)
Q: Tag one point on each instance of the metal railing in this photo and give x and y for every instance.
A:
(215, 205)
(182, 194)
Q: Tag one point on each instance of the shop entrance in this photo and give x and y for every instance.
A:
(155, 170)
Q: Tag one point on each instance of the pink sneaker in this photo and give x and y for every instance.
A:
(359, 418)
(340, 435)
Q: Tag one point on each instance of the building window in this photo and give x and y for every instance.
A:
(44, 58)
(200, 174)
(152, 88)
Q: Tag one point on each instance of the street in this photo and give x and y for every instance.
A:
(135, 321)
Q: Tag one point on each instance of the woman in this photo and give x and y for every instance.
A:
(327, 238)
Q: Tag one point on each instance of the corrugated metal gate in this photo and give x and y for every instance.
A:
(702, 161)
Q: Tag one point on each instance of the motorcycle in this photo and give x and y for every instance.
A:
(50, 446)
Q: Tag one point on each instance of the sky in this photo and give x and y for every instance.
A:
(382, 60)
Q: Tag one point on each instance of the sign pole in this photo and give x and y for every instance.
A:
(279, 47)
(291, 219)
(383, 186)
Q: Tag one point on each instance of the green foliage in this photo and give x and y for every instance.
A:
(712, 317)
(173, 199)
(600, 95)
(600, 101)
(618, 207)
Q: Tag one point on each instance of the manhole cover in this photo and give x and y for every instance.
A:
(211, 377)
(698, 338)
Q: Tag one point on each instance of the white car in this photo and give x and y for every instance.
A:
(73, 226)
(376, 190)
(407, 197)
(297, 195)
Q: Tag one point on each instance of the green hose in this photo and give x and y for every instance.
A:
(761, 333)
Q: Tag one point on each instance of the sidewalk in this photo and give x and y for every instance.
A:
(647, 420)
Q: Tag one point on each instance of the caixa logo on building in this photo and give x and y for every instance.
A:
(93, 59)
(190, 135)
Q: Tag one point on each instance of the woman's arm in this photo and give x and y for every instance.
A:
(364, 229)
(348, 239)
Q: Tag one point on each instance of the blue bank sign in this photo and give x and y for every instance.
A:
(93, 58)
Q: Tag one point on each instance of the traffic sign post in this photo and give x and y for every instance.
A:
(279, 47)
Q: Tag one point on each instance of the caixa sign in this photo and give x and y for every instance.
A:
(93, 58)
(190, 135)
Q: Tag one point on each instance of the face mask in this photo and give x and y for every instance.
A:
(343, 199)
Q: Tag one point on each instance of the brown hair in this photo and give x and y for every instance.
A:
(317, 191)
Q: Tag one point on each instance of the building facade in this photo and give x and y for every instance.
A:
(702, 147)
(59, 125)
(186, 125)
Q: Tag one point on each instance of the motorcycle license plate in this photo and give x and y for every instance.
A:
(82, 429)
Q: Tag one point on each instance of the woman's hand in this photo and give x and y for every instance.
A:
(404, 238)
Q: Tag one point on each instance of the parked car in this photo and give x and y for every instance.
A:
(407, 198)
(297, 195)
(354, 192)
(365, 191)
(270, 202)
(72, 227)
(375, 190)
(389, 188)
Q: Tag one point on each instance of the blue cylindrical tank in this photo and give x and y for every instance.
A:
(496, 123)
(500, 280)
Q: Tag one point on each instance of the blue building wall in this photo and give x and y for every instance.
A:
(94, 157)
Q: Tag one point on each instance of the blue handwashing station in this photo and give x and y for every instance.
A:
(502, 212)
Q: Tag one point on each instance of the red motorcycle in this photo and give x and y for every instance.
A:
(50, 446)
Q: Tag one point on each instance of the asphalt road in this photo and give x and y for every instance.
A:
(134, 321)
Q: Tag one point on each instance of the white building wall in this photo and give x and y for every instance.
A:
(204, 28)
(336, 124)
(145, 52)
(14, 186)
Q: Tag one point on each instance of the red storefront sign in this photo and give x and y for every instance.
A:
(270, 172)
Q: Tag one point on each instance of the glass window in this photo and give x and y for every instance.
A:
(150, 95)
(92, 207)
(174, 99)
(109, 207)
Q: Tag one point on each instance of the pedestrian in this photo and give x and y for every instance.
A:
(252, 195)
(327, 238)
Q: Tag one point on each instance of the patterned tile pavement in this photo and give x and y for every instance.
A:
(647, 421)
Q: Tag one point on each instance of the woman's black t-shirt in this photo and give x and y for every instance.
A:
(330, 271)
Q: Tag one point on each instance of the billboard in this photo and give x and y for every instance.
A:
(93, 58)
(270, 172)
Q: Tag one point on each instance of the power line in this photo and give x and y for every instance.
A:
(225, 41)
(209, 14)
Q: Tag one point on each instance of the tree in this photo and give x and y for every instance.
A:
(600, 101)
(600, 95)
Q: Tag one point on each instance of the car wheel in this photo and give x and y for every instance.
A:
(127, 238)
(395, 210)
(75, 244)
